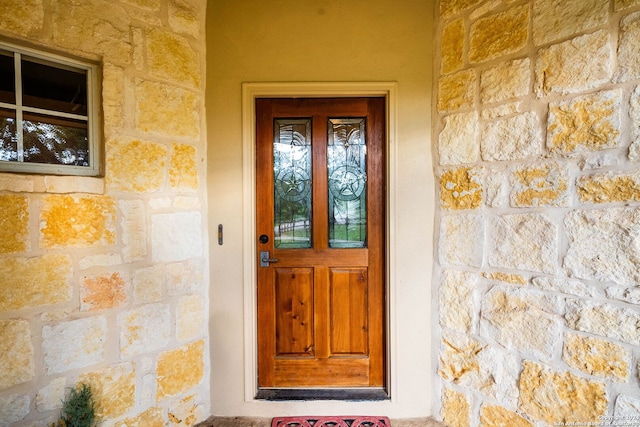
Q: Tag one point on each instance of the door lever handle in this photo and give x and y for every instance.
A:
(265, 260)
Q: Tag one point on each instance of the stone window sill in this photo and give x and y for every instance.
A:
(18, 183)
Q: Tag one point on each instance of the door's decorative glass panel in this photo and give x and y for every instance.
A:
(347, 172)
(292, 181)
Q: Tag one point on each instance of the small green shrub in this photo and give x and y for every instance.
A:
(78, 410)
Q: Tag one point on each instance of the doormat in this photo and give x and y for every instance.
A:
(350, 421)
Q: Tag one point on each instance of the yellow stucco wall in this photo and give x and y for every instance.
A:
(321, 41)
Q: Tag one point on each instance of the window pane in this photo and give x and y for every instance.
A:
(54, 88)
(55, 140)
(347, 171)
(292, 182)
(7, 78)
(8, 139)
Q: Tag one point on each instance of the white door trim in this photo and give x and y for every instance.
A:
(251, 91)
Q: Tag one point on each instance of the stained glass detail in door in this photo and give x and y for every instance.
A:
(347, 174)
(292, 183)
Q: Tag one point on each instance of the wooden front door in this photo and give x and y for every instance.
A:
(320, 242)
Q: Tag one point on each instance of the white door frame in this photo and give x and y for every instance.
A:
(251, 91)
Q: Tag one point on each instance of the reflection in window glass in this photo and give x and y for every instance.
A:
(8, 138)
(292, 183)
(55, 141)
(54, 88)
(347, 172)
(7, 78)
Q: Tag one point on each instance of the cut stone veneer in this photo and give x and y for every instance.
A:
(634, 115)
(554, 396)
(513, 279)
(537, 236)
(627, 408)
(16, 353)
(602, 245)
(190, 317)
(512, 138)
(77, 221)
(498, 35)
(51, 396)
(185, 411)
(607, 320)
(455, 409)
(629, 63)
(14, 408)
(496, 416)
(35, 282)
(609, 187)
(134, 229)
(14, 224)
(113, 388)
(575, 65)
(523, 320)
(150, 417)
(540, 185)
(103, 292)
(113, 89)
(74, 344)
(453, 45)
(144, 329)
(588, 122)
(176, 236)
(456, 300)
(25, 17)
(180, 369)
(479, 367)
(524, 242)
(506, 81)
(171, 57)
(162, 109)
(73, 21)
(455, 91)
(136, 166)
(555, 20)
(92, 290)
(183, 173)
(461, 189)
(461, 238)
(597, 357)
(458, 142)
(452, 7)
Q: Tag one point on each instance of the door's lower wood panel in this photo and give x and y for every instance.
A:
(294, 312)
(332, 372)
(349, 331)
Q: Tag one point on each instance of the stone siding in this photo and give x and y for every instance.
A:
(537, 142)
(103, 278)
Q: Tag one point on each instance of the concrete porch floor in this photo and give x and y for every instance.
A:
(266, 422)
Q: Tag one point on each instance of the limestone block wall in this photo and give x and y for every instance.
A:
(538, 272)
(104, 280)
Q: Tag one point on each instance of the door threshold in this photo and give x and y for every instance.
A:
(350, 394)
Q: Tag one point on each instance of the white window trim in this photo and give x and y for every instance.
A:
(251, 91)
(92, 117)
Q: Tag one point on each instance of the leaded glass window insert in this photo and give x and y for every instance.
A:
(292, 173)
(347, 174)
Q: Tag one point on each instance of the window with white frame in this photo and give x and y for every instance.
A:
(48, 113)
